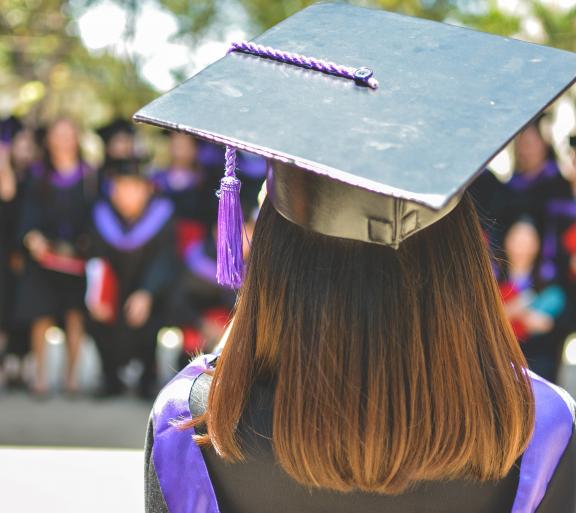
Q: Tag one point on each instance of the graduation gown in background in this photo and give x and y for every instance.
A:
(499, 205)
(197, 298)
(251, 170)
(531, 196)
(193, 201)
(59, 208)
(181, 477)
(11, 269)
(543, 351)
(142, 258)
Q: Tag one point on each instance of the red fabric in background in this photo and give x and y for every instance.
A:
(188, 232)
(509, 293)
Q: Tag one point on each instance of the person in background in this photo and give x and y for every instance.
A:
(199, 305)
(131, 268)
(251, 169)
(53, 230)
(185, 183)
(533, 304)
(17, 152)
(119, 138)
(536, 180)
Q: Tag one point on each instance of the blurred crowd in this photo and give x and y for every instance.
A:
(530, 223)
(120, 250)
(115, 251)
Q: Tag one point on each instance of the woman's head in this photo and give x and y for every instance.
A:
(531, 150)
(522, 245)
(389, 366)
(130, 194)
(62, 139)
(183, 150)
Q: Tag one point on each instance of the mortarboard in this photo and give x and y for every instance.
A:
(133, 166)
(117, 126)
(9, 127)
(375, 163)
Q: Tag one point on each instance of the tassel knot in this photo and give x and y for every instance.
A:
(230, 261)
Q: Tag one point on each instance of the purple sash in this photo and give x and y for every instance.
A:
(552, 433)
(61, 181)
(178, 461)
(186, 484)
(176, 180)
(200, 263)
(109, 226)
(521, 182)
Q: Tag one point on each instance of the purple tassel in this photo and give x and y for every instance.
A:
(230, 263)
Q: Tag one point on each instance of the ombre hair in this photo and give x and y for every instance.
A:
(389, 366)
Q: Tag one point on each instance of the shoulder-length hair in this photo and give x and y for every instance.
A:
(390, 366)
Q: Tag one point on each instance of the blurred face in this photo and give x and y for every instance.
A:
(182, 149)
(121, 146)
(530, 150)
(522, 244)
(130, 195)
(62, 139)
(23, 149)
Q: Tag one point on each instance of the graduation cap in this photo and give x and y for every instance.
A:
(373, 123)
(134, 166)
(9, 127)
(115, 127)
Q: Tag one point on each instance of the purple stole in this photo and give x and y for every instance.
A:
(186, 484)
(110, 227)
(175, 180)
(519, 182)
(200, 263)
(63, 181)
(552, 433)
(178, 461)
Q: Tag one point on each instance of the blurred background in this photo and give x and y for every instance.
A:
(107, 229)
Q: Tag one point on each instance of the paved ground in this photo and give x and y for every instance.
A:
(80, 422)
(119, 423)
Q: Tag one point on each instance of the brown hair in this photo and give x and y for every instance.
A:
(390, 366)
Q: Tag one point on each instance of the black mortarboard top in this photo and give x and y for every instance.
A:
(134, 166)
(117, 126)
(9, 127)
(351, 161)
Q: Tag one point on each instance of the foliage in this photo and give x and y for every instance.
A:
(45, 70)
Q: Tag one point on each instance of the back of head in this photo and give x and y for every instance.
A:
(390, 366)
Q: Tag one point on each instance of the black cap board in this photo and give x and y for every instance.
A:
(362, 163)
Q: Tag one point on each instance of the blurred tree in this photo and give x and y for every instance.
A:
(558, 25)
(45, 70)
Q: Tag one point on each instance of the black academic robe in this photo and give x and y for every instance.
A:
(500, 205)
(11, 269)
(191, 195)
(59, 208)
(142, 257)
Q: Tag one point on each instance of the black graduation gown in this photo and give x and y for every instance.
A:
(142, 257)
(60, 210)
(193, 201)
(11, 268)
